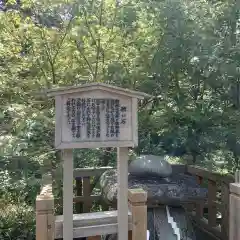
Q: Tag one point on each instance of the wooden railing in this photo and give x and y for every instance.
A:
(90, 225)
(86, 179)
(84, 198)
(204, 213)
(217, 202)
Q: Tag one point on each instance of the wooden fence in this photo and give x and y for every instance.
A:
(86, 179)
(215, 221)
(91, 225)
(217, 202)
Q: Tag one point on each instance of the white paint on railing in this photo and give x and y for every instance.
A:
(148, 234)
(171, 221)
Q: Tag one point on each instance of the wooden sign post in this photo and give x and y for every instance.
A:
(93, 116)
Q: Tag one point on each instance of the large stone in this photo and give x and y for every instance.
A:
(174, 190)
(150, 165)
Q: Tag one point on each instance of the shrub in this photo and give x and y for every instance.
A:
(17, 221)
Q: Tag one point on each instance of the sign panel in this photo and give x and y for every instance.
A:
(95, 118)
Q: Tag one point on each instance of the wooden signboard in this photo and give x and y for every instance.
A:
(95, 115)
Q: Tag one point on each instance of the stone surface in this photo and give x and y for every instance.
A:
(174, 190)
(150, 165)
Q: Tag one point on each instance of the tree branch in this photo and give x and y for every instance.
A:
(98, 44)
(85, 59)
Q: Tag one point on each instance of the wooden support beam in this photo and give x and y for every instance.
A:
(137, 200)
(67, 194)
(122, 203)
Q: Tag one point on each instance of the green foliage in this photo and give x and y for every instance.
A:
(185, 53)
(16, 221)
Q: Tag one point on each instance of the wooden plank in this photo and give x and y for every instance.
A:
(87, 205)
(89, 172)
(79, 206)
(94, 230)
(122, 203)
(68, 194)
(225, 211)
(98, 229)
(93, 218)
(212, 209)
(209, 175)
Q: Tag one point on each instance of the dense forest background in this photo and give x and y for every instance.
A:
(185, 53)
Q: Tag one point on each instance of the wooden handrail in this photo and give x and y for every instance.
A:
(213, 178)
(91, 225)
(89, 172)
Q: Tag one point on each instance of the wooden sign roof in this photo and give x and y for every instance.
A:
(94, 86)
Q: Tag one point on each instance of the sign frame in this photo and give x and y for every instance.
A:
(100, 90)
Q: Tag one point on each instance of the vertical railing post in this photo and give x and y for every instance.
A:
(234, 213)
(225, 210)
(45, 214)
(79, 205)
(212, 209)
(199, 204)
(137, 199)
(234, 208)
(87, 205)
